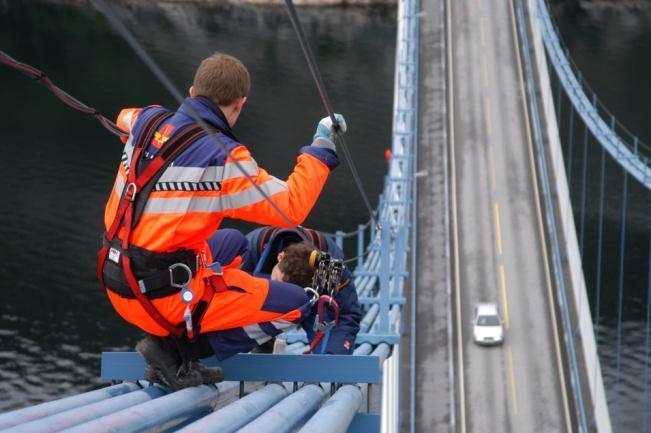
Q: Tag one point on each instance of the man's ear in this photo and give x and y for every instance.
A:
(281, 255)
(240, 103)
(191, 91)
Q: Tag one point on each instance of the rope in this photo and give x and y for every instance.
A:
(570, 139)
(620, 300)
(64, 97)
(117, 24)
(583, 189)
(647, 345)
(316, 75)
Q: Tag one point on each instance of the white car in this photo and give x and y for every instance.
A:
(487, 325)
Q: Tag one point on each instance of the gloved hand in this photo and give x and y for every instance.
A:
(325, 132)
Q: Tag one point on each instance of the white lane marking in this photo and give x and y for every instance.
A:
(559, 362)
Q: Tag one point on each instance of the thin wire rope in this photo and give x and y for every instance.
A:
(583, 189)
(559, 103)
(647, 356)
(115, 21)
(600, 231)
(318, 80)
(570, 140)
(620, 300)
(72, 102)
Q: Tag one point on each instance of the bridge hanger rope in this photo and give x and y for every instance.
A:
(316, 76)
(66, 98)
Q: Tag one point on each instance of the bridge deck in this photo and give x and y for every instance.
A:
(498, 244)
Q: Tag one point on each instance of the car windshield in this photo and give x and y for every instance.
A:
(488, 321)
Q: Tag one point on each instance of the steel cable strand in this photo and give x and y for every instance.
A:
(318, 80)
(647, 344)
(63, 96)
(119, 26)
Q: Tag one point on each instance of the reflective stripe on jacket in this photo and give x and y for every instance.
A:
(202, 187)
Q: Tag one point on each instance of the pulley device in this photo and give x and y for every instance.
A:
(325, 286)
(327, 273)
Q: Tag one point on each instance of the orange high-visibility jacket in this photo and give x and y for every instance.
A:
(202, 187)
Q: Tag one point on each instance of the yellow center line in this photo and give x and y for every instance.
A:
(514, 395)
(487, 114)
(491, 162)
(485, 68)
(505, 303)
(482, 33)
(498, 229)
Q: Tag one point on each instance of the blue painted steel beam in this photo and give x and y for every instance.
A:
(20, 416)
(290, 413)
(337, 413)
(82, 414)
(363, 349)
(363, 337)
(169, 411)
(365, 423)
(367, 300)
(236, 415)
(263, 367)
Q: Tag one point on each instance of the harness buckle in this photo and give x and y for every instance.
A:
(131, 191)
(186, 268)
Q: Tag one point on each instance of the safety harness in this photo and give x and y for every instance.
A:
(148, 275)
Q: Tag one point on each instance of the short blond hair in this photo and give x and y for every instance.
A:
(222, 79)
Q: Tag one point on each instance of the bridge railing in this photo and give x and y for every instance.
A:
(575, 116)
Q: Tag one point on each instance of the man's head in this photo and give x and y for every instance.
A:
(225, 81)
(294, 264)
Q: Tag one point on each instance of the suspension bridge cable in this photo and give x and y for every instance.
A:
(600, 232)
(63, 96)
(118, 25)
(620, 299)
(647, 336)
(316, 75)
(570, 139)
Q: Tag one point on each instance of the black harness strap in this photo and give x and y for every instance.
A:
(141, 179)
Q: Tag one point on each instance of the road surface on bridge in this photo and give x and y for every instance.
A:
(498, 249)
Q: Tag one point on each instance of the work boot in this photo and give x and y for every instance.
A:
(209, 375)
(166, 364)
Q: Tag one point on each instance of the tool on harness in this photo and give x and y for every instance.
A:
(141, 179)
(327, 273)
(321, 324)
(187, 295)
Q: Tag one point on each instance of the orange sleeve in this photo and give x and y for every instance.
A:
(295, 197)
(126, 120)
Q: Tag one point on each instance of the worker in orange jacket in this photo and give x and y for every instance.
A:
(175, 184)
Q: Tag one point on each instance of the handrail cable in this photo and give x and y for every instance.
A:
(63, 96)
(316, 75)
(118, 25)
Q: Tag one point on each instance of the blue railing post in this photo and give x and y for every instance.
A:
(360, 247)
(339, 239)
(385, 271)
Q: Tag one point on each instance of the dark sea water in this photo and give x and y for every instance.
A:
(58, 165)
(611, 43)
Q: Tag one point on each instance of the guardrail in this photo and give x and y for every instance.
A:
(568, 328)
